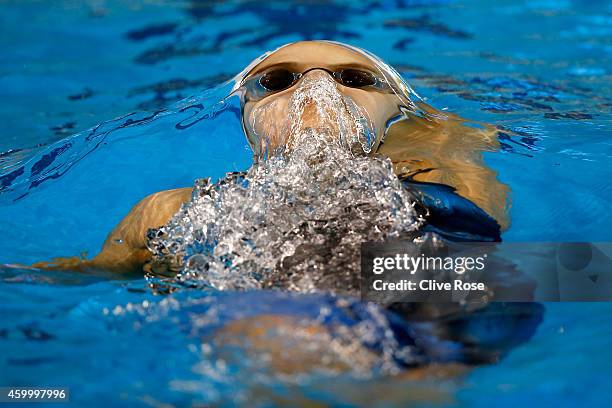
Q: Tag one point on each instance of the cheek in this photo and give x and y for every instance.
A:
(377, 107)
(269, 119)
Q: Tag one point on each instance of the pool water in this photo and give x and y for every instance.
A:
(539, 70)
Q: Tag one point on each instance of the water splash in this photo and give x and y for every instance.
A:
(294, 221)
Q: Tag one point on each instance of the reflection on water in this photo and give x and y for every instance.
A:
(25, 171)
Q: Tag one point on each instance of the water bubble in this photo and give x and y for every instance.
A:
(294, 221)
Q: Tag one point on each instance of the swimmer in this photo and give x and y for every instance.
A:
(427, 147)
(369, 110)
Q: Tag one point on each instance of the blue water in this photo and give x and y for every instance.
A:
(539, 69)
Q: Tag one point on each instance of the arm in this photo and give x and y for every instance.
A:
(125, 250)
(448, 152)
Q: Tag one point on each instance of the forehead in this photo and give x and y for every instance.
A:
(308, 54)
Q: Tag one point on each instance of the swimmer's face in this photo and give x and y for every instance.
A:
(323, 87)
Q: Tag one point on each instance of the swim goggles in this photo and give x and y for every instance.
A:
(279, 79)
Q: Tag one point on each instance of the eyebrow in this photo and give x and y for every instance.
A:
(286, 64)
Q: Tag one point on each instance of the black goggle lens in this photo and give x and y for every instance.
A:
(277, 80)
(355, 78)
(280, 79)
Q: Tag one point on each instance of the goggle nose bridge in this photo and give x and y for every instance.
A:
(299, 75)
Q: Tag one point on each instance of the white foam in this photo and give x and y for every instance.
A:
(296, 220)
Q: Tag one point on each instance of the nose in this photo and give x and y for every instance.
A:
(314, 91)
(317, 105)
(314, 75)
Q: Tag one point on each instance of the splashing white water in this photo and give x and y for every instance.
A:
(296, 220)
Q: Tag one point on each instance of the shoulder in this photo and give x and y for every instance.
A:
(154, 211)
(125, 247)
(151, 212)
(167, 198)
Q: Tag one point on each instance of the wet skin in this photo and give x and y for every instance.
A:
(434, 147)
